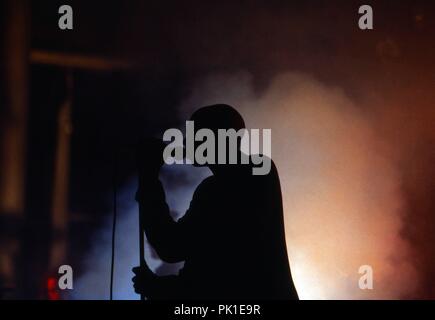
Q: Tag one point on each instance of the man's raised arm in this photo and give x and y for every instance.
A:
(164, 234)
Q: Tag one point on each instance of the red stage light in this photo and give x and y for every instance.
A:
(52, 292)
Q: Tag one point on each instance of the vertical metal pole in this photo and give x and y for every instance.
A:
(14, 45)
(141, 243)
(59, 210)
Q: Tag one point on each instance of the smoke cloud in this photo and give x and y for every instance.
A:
(342, 195)
(342, 189)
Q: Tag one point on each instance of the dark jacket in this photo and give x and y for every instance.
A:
(231, 238)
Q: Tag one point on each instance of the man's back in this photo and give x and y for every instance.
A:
(236, 239)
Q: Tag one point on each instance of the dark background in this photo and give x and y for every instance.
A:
(167, 47)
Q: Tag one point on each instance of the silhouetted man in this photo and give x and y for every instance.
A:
(232, 236)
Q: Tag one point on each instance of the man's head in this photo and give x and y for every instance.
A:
(226, 124)
(214, 137)
(217, 116)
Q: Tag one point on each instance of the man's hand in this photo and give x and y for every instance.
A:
(150, 157)
(144, 280)
(155, 287)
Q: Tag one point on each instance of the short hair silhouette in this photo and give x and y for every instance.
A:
(231, 238)
(218, 116)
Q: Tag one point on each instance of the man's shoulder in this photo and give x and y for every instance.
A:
(206, 184)
(204, 191)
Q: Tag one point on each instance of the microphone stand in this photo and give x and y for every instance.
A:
(142, 262)
(141, 243)
(140, 156)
